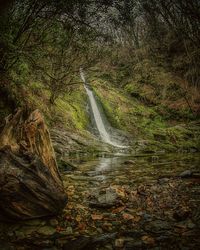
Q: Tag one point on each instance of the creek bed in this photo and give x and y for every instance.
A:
(121, 202)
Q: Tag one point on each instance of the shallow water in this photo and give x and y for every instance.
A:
(143, 215)
(133, 170)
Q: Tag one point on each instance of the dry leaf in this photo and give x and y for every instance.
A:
(148, 240)
(127, 216)
(136, 218)
(78, 218)
(81, 226)
(118, 210)
(70, 206)
(97, 216)
(80, 206)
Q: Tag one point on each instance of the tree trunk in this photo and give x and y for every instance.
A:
(30, 184)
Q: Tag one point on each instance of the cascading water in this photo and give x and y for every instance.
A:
(105, 136)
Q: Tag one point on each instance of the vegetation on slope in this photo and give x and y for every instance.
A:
(144, 65)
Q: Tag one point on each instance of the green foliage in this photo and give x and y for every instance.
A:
(71, 109)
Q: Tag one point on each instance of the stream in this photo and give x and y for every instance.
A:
(120, 202)
(141, 199)
(125, 169)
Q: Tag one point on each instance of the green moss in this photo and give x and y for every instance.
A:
(72, 109)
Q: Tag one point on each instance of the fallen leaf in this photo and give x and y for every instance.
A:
(148, 240)
(70, 206)
(97, 216)
(136, 218)
(127, 216)
(81, 226)
(80, 206)
(118, 210)
(78, 218)
(134, 193)
(59, 229)
(121, 192)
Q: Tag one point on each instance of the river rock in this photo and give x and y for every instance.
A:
(105, 198)
(46, 230)
(191, 225)
(35, 222)
(66, 166)
(186, 174)
(181, 213)
(157, 226)
(163, 180)
(131, 245)
(53, 222)
(129, 162)
(119, 243)
(19, 234)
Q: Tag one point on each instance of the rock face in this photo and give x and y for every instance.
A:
(30, 184)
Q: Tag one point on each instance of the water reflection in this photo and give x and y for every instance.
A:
(106, 164)
(114, 169)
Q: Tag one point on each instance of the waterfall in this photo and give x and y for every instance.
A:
(104, 134)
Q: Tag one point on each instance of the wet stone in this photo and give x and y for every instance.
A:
(162, 238)
(181, 213)
(107, 247)
(7, 246)
(186, 174)
(26, 231)
(157, 226)
(133, 245)
(19, 234)
(105, 198)
(163, 180)
(127, 162)
(69, 230)
(191, 225)
(53, 222)
(119, 243)
(10, 234)
(35, 222)
(46, 230)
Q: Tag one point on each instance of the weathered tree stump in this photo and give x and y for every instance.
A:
(30, 184)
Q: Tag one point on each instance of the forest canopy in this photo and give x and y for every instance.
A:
(54, 38)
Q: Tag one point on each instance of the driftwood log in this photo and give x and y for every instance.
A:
(30, 183)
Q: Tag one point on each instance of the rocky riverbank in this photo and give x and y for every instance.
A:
(120, 203)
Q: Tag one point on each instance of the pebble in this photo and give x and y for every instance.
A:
(107, 226)
(69, 230)
(19, 234)
(99, 230)
(129, 162)
(133, 245)
(181, 214)
(53, 222)
(157, 226)
(10, 234)
(35, 222)
(119, 243)
(163, 180)
(46, 230)
(108, 247)
(186, 173)
(191, 225)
